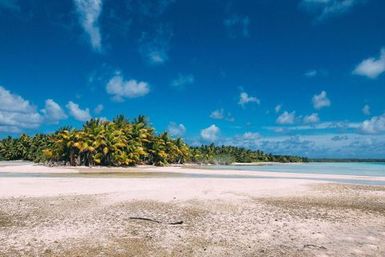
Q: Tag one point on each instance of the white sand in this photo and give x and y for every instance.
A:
(166, 188)
(68, 215)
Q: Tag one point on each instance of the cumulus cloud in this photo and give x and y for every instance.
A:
(89, 12)
(237, 25)
(244, 98)
(312, 118)
(366, 109)
(182, 81)
(325, 9)
(78, 113)
(176, 130)
(321, 100)
(220, 114)
(16, 113)
(374, 125)
(53, 112)
(286, 118)
(121, 89)
(371, 67)
(210, 134)
(99, 108)
(154, 47)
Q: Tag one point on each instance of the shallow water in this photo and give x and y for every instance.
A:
(361, 169)
(151, 175)
(376, 169)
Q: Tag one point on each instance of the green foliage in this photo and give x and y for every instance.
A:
(122, 143)
(230, 154)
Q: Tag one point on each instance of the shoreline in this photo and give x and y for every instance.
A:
(187, 171)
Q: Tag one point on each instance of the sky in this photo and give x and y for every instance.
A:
(303, 77)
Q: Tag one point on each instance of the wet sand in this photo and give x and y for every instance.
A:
(91, 216)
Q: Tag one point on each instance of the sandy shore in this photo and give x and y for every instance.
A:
(239, 214)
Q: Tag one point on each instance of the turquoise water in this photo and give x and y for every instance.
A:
(336, 168)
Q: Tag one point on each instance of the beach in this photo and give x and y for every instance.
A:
(187, 211)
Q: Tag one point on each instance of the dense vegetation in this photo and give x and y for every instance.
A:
(122, 143)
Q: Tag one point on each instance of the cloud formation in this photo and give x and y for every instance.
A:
(374, 125)
(154, 47)
(210, 134)
(16, 113)
(99, 108)
(325, 9)
(220, 114)
(244, 98)
(321, 100)
(286, 118)
(278, 108)
(53, 112)
(311, 73)
(176, 130)
(182, 81)
(366, 109)
(78, 113)
(89, 12)
(371, 67)
(121, 89)
(312, 118)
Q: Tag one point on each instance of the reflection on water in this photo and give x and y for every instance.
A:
(151, 175)
(335, 168)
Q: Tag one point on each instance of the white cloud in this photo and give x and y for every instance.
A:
(78, 113)
(99, 108)
(16, 113)
(278, 108)
(371, 67)
(120, 88)
(312, 118)
(286, 118)
(374, 125)
(344, 125)
(366, 109)
(89, 12)
(154, 47)
(251, 135)
(176, 130)
(321, 100)
(244, 98)
(324, 9)
(218, 114)
(237, 26)
(183, 80)
(53, 112)
(210, 134)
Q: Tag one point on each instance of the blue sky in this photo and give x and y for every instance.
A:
(300, 77)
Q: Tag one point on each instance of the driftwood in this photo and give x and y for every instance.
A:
(157, 221)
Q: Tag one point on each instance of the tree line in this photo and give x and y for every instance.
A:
(121, 142)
